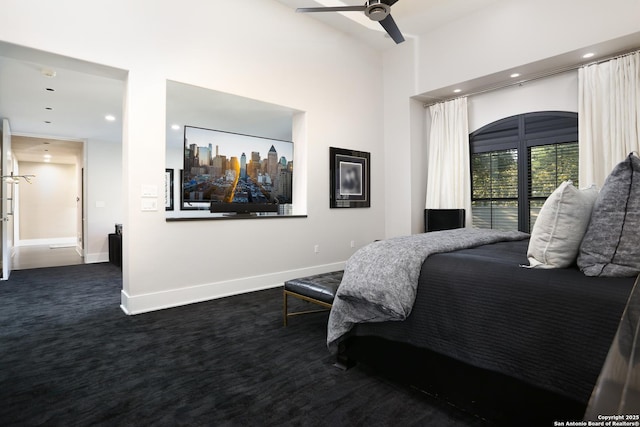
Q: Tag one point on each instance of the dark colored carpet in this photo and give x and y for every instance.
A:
(70, 357)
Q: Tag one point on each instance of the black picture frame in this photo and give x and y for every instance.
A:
(168, 189)
(350, 176)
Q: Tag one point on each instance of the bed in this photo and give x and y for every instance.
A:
(528, 336)
(549, 329)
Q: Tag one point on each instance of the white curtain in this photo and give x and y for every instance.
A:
(608, 116)
(448, 167)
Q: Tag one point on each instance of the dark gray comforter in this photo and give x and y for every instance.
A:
(380, 280)
(551, 328)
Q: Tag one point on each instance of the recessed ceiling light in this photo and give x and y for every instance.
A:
(514, 75)
(48, 108)
(109, 117)
(175, 127)
(588, 55)
(50, 89)
(48, 72)
(457, 90)
(47, 121)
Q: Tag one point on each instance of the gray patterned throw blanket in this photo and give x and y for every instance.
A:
(381, 279)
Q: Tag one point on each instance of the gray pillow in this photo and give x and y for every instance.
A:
(611, 245)
(561, 224)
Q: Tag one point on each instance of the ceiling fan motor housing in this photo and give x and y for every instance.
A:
(376, 10)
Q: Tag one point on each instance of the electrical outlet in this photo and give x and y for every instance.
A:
(353, 243)
(316, 248)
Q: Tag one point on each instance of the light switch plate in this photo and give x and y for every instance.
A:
(149, 204)
(149, 191)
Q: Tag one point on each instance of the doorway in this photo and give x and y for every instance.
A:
(48, 231)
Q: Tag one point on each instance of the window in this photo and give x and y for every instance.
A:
(516, 163)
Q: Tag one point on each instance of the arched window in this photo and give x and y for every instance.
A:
(516, 163)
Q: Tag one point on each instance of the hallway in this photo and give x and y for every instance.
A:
(27, 257)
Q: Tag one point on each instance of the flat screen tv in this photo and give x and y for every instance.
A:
(232, 173)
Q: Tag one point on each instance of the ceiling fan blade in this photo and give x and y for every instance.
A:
(331, 9)
(392, 29)
(389, 2)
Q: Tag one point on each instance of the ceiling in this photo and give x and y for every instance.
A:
(413, 17)
(59, 101)
(418, 17)
(84, 93)
(535, 70)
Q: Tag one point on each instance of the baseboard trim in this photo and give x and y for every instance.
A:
(58, 241)
(138, 304)
(96, 257)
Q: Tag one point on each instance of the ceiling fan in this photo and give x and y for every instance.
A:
(376, 10)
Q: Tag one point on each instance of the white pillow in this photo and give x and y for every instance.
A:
(561, 224)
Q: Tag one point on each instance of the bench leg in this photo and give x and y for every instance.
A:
(284, 308)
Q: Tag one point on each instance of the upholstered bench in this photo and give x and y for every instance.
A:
(319, 289)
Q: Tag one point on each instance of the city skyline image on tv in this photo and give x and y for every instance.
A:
(226, 169)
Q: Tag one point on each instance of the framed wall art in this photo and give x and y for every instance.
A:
(168, 189)
(349, 178)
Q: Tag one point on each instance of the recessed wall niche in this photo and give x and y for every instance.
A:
(194, 106)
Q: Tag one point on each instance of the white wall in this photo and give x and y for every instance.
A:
(48, 209)
(506, 35)
(272, 55)
(104, 197)
(556, 93)
(399, 85)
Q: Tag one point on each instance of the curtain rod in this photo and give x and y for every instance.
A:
(544, 75)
